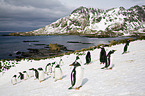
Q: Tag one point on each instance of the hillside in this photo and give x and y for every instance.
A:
(127, 78)
(84, 21)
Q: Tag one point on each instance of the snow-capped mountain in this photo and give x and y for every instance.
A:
(111, 22)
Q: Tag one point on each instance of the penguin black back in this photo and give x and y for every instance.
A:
(88, 57)
(36, 74)
(21, 76)
(103, 56)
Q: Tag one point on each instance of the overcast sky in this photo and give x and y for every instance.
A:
(27, 15)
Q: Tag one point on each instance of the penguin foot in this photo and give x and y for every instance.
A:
(70, 88)
(60, 79)
(55, 80)
(77, 88)
(35, 79)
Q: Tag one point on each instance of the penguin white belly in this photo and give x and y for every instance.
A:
(53, 71)
(25, 76)
(58, 73)
(31, 73)
(79, 77)
(41, 75)
(48, 70)
(14, 81)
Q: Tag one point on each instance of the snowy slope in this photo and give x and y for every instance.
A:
(127, 78)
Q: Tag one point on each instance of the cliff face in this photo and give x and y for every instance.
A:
(111, 22)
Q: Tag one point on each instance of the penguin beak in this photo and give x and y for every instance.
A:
(71, 65)
(115, 50)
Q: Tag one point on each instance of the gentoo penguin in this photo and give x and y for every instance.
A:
(125, 47)
(88, 57)
(53, 67)
(103, 56)
(76, 76)
(21, 76)
(25, 75)
(48, 68)
(57, 73)
(107, 64)
(60, 62)
(14, 80)
(41, 74)
(31, 72)
(36, 74)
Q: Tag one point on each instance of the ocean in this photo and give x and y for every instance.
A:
(12, 44)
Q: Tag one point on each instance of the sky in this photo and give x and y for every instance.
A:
(28, 15)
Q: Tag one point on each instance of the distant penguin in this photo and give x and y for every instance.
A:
(76, 76)
(25, 75)
(53, 67)
(88, 57)
(60, 62)
(107, 64)
(58, 73)
(41, 74)
(48, 69)
(21, 76)
(126, 46)
(14, 80)
(31, 72)
(36, 74)
(103, 56)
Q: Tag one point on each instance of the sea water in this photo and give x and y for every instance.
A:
(12, 44)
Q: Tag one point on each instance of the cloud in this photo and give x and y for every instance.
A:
(30, 13)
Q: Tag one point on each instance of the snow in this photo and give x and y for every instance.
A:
(127, 78)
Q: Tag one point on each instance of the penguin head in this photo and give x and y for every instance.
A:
(31, 69)
(48, 64)
(40, 69)
(15, 76)
(111, 52)
(77, 57)
(57, 66)
(24, 72)
(75, 64)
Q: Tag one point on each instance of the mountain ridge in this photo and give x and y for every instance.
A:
(91, 21)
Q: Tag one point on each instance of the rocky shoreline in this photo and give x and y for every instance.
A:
(47, 51)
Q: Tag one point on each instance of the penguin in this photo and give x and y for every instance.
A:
(14, 80)
(31, 72)
(25, 75)
(48, 68)
(88, 57)
(107, 63)
(126, 46)
(53, 67)
(60, 62)
(41, 74)
(58, 73)
(21, 76)
(103, 56)
(36, 74)
(76, 76)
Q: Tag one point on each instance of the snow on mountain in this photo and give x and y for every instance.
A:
(84, 20)
(127, 78)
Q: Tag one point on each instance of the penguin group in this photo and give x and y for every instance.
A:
(51, 69)
(54, 69)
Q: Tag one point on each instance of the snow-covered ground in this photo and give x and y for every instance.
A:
(127, 78)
